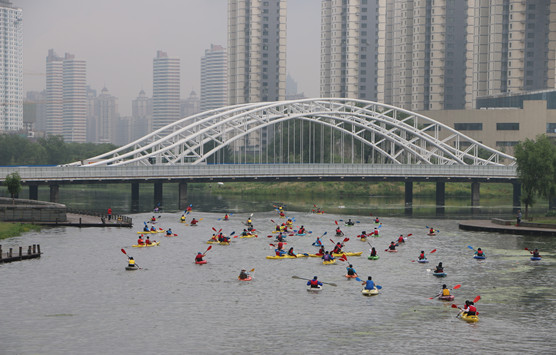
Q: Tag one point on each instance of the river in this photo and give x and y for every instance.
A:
(78, 299)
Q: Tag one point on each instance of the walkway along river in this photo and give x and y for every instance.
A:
(77, 298)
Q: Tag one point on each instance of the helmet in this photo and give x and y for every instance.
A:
(199, 252)
(315, 278)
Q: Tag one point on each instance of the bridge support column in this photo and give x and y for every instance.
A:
(475, 194)
(158, 193)
(517, 196)
(54, 192)
(440, 198)
(135, 196)
(182, 195)
(408, 198)
(33, 192)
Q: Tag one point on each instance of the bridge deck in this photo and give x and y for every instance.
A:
(490, 226)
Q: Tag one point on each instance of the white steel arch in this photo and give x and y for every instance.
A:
(398, 136)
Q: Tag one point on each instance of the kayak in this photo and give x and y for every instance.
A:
(446, 298)
(170, 235)
(351, 276)
(481, 257)
(212, 242)
(151, 232)
(422, 261)
(314, 289)
(348, 253)
(339, 235)
(317, 245)
(439, 274)
(286, 256)
(249, 278)
(364, 239)
(201, 262)
(329, 262)
(470, 319)
(431, 234)
(135, 267)
(376, 257)
(375, 235)
(249, 236)
(536, 258)
(392, 251)
(146, 245)
(372, 292)
(300, 235)
(224, 243)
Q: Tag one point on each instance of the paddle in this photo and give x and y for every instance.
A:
(470, 247)
(209, 248)
(432, 251)
(455, 288)
(436, 230)
(327, 283)
(123, 251)
(475, 300)
(377, 286)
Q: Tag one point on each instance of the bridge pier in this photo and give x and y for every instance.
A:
(182, 195)
(135, 196)
(157, 193)
(475, 194)
(408, 198)
(54, 192)
(33, 192)
(517, 196)
(440, 198)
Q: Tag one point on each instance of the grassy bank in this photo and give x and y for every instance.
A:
(9, 230)
(345, 188)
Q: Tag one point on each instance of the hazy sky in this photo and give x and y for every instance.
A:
(119, 39)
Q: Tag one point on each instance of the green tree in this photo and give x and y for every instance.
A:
(536, 168)
(13, 182)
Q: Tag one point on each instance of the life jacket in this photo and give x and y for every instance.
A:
(148, 242)
(472, 309)
(278, 253)
(280, 246)
(445, 292)
(373, 252)
(400, 240)
(439, 270)
(338, 231)
(392, 247)
(182, 218)
(421, 256)
(131, 262)
(376, 232)
(351, 271)
(140, 241)
(290, 252)
(314, 283)
(536, 254)
(199, 257)
(193, 222)
(153, 229)
(479, 253)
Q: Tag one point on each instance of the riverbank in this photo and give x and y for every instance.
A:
(9, 230)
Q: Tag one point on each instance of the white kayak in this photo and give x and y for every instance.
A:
(372, 292)
(314, 289)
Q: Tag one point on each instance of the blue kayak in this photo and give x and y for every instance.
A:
(536, 258)
(439, 274)
(422, 261)
(481, 257)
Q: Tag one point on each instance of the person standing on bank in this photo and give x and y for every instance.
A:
(518, 217)
(109, 213)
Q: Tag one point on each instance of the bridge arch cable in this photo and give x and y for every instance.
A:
(398, 136)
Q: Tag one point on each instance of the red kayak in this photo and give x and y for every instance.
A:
(201, 262)
(249, 278)
(351, 276)
(446, 298)
(392, 251)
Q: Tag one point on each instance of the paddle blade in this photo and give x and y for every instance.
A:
(454, 306)
(209, 248)
(336, 222)
(325, 234)
(253, 269)
(123, 251)
(410, 234)
(214, 229)
(476, 299)
(234, 232)
(470, 247)
(432, 251)
(457, 286)
(346, 240)
(378, 287)
(358, 279)
(526, 248)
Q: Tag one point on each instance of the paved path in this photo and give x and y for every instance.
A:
(489, 226)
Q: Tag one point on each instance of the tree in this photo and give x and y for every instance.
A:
(536, 168)
(13, 182)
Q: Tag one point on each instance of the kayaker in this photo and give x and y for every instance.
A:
(153, 229)
(188, 209)
(327, 256)
(338, 248)
(317, 242)
(349, 222)
(279, 252)
(140, 241)
(250, 228)
(339, 232)
(243, 274)
(422, 255)
(363, 235)
(469, 309)
(445, 291)
(280, 237)
(280, 246)
(479, 252)
(392, 246)
(214, 238)
(377, 220)
(226, 217)
(199, 257)
(369, 284)
(153, 218)
(131, 261)
(314, 283)
(291, 253)
(536, 253)
(249, 222)
(431, 230)
(321, 251)
(351, 271)
(373, 251)
(400, 239)
(182, 218)
(375, 232)
(145, 228)
(439, 268)
(193, 222)
(282, 214)
(301, 230)
(148, 241)
(244, 233)
(169, 231)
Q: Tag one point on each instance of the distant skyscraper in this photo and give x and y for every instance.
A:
(11, 67)
(190, 106)
(166, 90)
(214, 78)
(349, 32)
(54, 94)
(103, 118)
(74, 99)
(256, 51)
(141, 115)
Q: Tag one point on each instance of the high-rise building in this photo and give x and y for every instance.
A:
(101, 122)
(11, 67)
(349, 33)
(166, 90)
(214, 78)
(191, 105)
(141, 115)
(256, 51)
(66, 97)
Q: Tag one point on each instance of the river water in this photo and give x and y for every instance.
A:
(78, 299)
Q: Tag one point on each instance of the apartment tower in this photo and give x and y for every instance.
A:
(166, 90)
(11, 67)
(214, 78)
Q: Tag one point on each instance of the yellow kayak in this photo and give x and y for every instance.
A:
(470, 319)
(151, 232)
(329, 262)
(212, 242)
(348, 254)
(249, 236)
(372, 292)
(146, 245)
(287, 256)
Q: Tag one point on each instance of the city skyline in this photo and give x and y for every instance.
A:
(119, 53)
